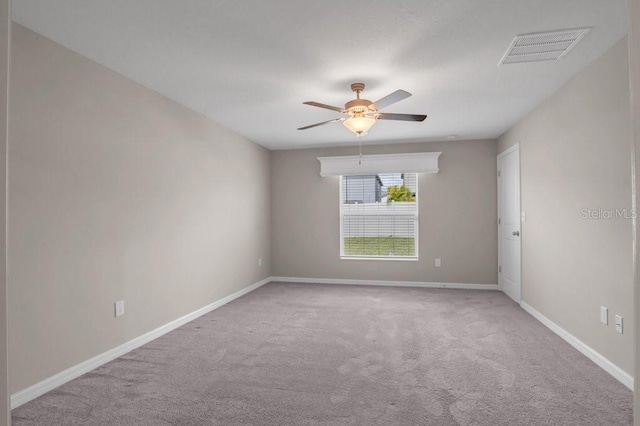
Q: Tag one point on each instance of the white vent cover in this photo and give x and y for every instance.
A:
(548, 46)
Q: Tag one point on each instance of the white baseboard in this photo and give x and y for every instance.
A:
(422, 284)
(40, 388)
(619, 374)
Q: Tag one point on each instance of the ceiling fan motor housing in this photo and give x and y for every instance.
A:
(358, 106)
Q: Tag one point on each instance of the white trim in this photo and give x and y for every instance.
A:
(608, 366)
(40, 388)
(498, 176)
(416, 162)
(32, 392)
(384, 258)
(422, 284)
(509, 150)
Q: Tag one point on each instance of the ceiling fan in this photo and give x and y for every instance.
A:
(362, 113)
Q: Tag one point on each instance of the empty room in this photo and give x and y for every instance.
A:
(418, 212)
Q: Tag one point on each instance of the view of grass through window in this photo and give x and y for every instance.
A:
(379, 246)
(379, 215)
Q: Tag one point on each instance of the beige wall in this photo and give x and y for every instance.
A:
(634, 68)
(116, 193)
(574, 152)
(457, 217)
(5, 26)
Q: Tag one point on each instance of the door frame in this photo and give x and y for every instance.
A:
(510, 150)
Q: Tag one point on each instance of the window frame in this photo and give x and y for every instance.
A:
(414, 258)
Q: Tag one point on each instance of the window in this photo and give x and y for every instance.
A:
(379, 216)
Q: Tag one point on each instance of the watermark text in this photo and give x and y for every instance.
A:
(599, 214)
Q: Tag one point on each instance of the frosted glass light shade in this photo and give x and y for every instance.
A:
(359, 124)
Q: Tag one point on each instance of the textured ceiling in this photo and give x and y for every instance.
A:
(249, 64)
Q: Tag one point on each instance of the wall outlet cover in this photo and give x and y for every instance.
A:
(438, 263)
(604, 315)
(619, 324)
(119, 308)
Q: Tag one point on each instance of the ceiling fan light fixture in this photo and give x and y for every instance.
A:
(359, 124)
(362, 114)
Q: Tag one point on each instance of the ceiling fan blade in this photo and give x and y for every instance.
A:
(325, 106)
(390, 99)
(320, 124)
(401, 117)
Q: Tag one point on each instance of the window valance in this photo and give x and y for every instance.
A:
(351, 165)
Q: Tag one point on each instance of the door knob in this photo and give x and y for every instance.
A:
(516, 233)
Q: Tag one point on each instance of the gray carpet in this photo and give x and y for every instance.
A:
(302, 354)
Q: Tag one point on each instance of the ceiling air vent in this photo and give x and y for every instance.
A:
(548, 46)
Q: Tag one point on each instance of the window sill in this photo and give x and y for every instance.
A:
(386, 258)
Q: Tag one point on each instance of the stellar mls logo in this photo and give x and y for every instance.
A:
(624, 213)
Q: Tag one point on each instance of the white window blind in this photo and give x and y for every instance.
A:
(379, 216)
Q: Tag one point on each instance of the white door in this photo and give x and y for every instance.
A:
(509, 222)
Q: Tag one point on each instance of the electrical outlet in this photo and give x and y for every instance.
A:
(523, 216)
(438, 263)
(604, 315)
(259, 261)
(119, 308)
(619, 324)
